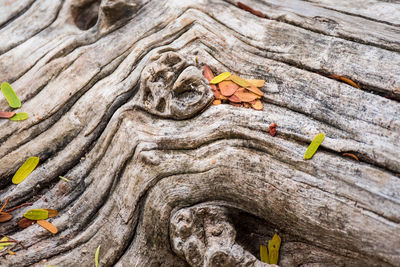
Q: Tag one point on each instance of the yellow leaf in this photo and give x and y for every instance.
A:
(273, 249)
(239, 81)
(26, 169)
(96, 256)
(256, 83)
(2, 245)
(264, 254)
(220, 77)
(312, 148)
(11, 252)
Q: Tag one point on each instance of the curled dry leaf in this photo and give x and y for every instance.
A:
(10, 95)
(351, 156)
(257, 104)
(228, 88)
(25, 169)
(24, 223)
(6, 114)
(344, 79)
(5, 217)
(52, 213)
(220, 77)
(217, 102)
(48, 226)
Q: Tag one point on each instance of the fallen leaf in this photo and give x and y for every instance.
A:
(255, 90)
(228, 88)
(6, 114)
(236, 104)
(208, 74)
(264, 254)
(2, 245)
(257, 104)
(25, 169)
(217, 94)
(11, 252)
(10, 95)
(217, 102)
(312, 148)
(344, 79)
(64, 179)
(239, 81)
(48, 226)
(24, 223)
(5, 204)
(52, 213)
(273, 249)
(96, 256)
(245, 96)
(5, 217)
(350, 155)
(234, 99)
(20, 116)
(37, 214)
(220, 77)
(249, 9)
(256, 83)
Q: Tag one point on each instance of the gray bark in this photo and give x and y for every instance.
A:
(118, 105)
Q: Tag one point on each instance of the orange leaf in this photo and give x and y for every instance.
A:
(5, 217)
(246, 96)
(256, 83)
(228, 88)
(255, 90)
(217, 94)
(217, 102)
(344, 79)
(6, 114)
(48, 226)
(234, 99)
(207, 72)
(257, 104)
(350, 155)
(24, 223)
(2, 208)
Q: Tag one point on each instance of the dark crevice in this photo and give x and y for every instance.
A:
(85, 16)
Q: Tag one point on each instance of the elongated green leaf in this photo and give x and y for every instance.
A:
(312, 148)
(96, 256)
(10, 95)
(264, 254)
(26, 169)
(220, 77)
(37, 214)
(273, 249)
(2, 245)
(64, 179)
(20, 116)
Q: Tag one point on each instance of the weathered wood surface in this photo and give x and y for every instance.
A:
(155, 180)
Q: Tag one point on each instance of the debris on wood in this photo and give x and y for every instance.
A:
(272, 129)
(351, 156)
(344, 79)
(312, 148)
(251, 10)
(6, 114)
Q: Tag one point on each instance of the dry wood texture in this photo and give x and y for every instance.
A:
(117, 106)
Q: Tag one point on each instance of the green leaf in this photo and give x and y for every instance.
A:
(2, 245)
(312, 148)
(220, 77)
(96, 256)
(26, 169)
(10, 95)
(273, 249)
(37, 214)
(20, 116)
(63, 178)
(264, 254)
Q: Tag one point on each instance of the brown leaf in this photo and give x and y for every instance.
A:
(6, 114)
(350, 155)
(234, 99)
(228, 88)
(217, 94)
(24, 223)
(217, 102)
(257, 104)
(48, 226)
(252, 11)
(222, 97)
(246, 96)
(207, 72)
(272, 129)
(5, 217)
(236, 104)
(52, 213)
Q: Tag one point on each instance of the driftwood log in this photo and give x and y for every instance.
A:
(118, 105)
